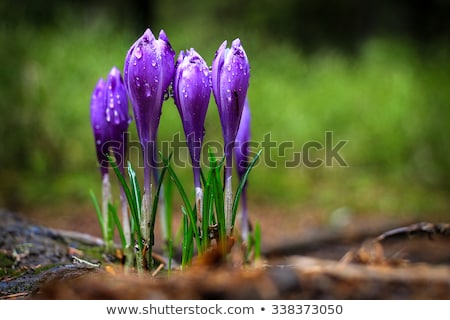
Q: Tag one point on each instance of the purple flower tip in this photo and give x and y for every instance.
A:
(109, 118)
(230, 81)
(148, 72)
(192, 91)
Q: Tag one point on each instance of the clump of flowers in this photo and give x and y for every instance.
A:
(150, 74)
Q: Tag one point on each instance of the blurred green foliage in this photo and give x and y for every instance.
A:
(388, 96)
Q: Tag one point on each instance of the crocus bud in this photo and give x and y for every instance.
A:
(117, 115)
(148, 72)
(242, 147)
(109, 118)
(230, 81)
(192, 92)
(99, 124)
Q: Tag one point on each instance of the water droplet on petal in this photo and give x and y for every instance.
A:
(116, 117)
(153, 63)
(148, 90)
(108, 116)
(98, 142)
(137, 82)
(138, 53)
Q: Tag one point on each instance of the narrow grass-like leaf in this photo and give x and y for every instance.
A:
(241, 186)
(115, 219)
(155, 204)
(207, 212)
(135, 206)
(184, 197)
(187, 243)
(202, 175)
(98, 211)
(136, 190)
(110, 225)
(216, 185)
(132, 202)
(168, 226)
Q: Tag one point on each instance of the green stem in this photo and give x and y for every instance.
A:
(146, 208)
(228, 205)
(106, 199)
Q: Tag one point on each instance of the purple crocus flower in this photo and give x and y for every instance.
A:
(192, 92)
(242, 154)
(148, 71)
(99, 125)
(230, 81)
(117, 116)
(110, 120)
(118, 119)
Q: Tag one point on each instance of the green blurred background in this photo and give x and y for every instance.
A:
(375, 73)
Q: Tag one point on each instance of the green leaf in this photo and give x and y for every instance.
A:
(189, 211)
(112, 211)
(207, 211)
(241, 186)
(110, 225)
(135, 204)
(155, 204)
(187, 243)
(131, 197)
(217, 187)
(98, 211)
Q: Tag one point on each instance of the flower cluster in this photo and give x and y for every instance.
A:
(150, 69)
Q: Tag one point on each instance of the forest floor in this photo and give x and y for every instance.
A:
(57, 257)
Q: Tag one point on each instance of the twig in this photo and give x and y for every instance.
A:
(318, 240)
(15, 295)
(160, 267)
(67, 236)
(426, 228)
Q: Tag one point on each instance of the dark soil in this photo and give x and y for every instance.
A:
(37, 262)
